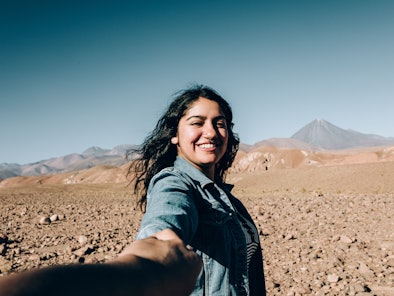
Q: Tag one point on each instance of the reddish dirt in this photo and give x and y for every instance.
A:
(325, 230)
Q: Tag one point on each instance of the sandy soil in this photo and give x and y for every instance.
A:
(324, 230)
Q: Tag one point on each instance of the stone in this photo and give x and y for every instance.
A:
(54, 218)
(364, 269)
(332, 278)
(34, 257)
(45, 220)
(359, 288)
(82, 239)
(304, 290)
(85, 250)
(5, 266)
(345, 239)
(3, 250)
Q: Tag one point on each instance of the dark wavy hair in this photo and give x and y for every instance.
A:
(157, 152)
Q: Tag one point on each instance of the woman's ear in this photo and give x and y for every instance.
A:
(174, 140)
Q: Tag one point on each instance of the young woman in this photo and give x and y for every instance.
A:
(179, 176)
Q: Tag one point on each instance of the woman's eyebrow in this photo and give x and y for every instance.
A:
(196, 117)
(220, 117)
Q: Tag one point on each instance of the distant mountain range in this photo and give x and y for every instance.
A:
(317, 135)
(89, 158)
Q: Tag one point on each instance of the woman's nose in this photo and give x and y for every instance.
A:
(209, 131)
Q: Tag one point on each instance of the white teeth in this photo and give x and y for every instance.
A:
(207, 146)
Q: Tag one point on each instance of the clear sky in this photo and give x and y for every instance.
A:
(76, 74)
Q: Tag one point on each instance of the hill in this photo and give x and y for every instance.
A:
(91, 157)
(323, 134)
(256, 161)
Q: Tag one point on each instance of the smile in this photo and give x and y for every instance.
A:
(207, 146)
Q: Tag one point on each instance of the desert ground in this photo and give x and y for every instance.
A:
(325, 229)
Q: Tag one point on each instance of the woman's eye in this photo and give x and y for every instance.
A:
(197, 123)
(221, 124)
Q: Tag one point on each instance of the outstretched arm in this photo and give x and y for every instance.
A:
(148, 267)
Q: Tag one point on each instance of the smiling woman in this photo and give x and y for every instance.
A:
(202, 136)
(179, 178)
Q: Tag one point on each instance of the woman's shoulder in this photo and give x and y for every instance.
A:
(182, 172)
(172, 175)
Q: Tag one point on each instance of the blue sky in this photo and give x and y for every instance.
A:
(76, 74)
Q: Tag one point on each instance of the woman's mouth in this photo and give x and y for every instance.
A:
(207, 146)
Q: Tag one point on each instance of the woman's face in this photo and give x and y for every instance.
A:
(202, 135)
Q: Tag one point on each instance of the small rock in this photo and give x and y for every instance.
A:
(304, 290)
(333, 278)
(82, 239)
(359, 288)
(3, 249)
(270, 285)
(45, 220)
(290, 236)
(24, 211)
(86, 250)
(5, 266)
(80, 252)
(16, 251)
(34, 257)
(54, 218)
(258, 210)
(345, 239)
(365, 270)
(47, 256)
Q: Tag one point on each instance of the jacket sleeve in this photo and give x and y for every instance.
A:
(170, 204)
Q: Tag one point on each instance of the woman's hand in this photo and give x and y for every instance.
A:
(149, 266)
(182, 265)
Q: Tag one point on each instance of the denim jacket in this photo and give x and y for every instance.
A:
(203, 214)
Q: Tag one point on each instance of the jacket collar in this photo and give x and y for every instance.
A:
(185, 166)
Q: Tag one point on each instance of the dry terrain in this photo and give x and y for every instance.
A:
(325, 222)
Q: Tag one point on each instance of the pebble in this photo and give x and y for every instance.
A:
(359, 288)
(5, 266)
(82, 239)
(365, 270)
(54, 218)
(345, 239)
(85, 250)
(45, 220)
(34, 257)
(3, 249)
(332, 278)
(304, 290)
